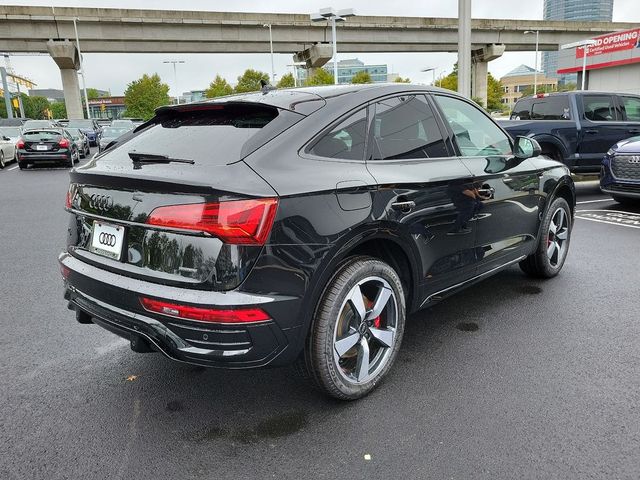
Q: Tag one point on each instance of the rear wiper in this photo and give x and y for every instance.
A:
(139, 158)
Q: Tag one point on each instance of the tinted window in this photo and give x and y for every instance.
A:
(475, 133)
(599, 108)
(632, 108)
(551, 108)
(41, 135)
(346, 140)
(29, 124)
(405, 127)
(521, 110)
(216, 135)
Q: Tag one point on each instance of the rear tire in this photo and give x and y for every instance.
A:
(2, 164)
(22, 165)
(553, 244)
(356, 331)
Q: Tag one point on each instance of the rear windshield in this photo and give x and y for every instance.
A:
(114, 132)
(41, 135)
(214, 134)
(36, 124)
(80, 124)
(551, 108)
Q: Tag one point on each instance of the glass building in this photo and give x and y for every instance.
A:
(349, 67)
(572, 10)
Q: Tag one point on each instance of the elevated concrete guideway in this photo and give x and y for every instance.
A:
(27, 29)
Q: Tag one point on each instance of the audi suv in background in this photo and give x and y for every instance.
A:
(620, 172)
(303, 226)
(46, 145)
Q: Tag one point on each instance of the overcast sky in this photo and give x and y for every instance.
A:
(113, 71)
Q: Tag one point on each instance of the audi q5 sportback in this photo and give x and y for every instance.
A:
(304, 225)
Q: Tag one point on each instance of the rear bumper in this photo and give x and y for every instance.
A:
(112, 301)
(39, 157)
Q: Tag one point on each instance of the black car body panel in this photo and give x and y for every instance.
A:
(329, 209)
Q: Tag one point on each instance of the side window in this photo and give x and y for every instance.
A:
(406, 128)
(521, 110)
(475, 133)
(551, 108)
(345, 141)
(632, 107)
(599, 108)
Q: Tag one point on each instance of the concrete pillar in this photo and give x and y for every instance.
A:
(464, 48)
(315, 56)
(65, 54)
(7, 94)
(481, 58)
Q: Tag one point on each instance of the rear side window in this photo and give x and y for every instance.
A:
(521, 110)
(405, 128)
(215, 134)
(632, 108)
(599, 108)
(346, 140)
(551, 108)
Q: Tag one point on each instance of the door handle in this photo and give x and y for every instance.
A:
(404, 206)
(591, 130)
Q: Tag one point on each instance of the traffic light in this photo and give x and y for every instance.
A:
(15, 102)
(103, 107)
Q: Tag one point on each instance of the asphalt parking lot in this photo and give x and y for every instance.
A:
(547, 386)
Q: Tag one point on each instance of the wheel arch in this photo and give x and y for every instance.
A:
(555, 143)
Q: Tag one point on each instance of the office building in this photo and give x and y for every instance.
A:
(577, 10)
(521, 79)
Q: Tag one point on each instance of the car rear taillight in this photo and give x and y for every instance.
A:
(64, 143)
(200, 314)
(20, 144)
(238, 222)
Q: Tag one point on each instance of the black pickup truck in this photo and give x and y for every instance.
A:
(576, 128)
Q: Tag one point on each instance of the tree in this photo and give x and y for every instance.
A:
(35, 107)
(320, 77)
(568, 87)
(287, 81)
(361, 77)
(249, 81)
(402, 80)
(144, 95)
(540, 89)
(218, 88)
(92, 93)
(58, 110)
(494, 94)
(450, 82)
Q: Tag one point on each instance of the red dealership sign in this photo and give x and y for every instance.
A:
(612, 42)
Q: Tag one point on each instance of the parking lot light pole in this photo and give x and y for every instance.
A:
(433, 70)
(584, 44)
(273, 71)
(330, 15)
(175, 77)
(535, 72)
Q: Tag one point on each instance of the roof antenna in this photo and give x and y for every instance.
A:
(265, 87)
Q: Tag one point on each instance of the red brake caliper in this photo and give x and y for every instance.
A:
(368, 304)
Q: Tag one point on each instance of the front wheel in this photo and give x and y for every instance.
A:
(357, 329)
(2, 164)
(553, 245)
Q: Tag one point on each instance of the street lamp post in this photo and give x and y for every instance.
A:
(295, 66)
(273, 72)
(330, 15)
(535, 73)
(175, 76)
(584, 44)
(433, 70)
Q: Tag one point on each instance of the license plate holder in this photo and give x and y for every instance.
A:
(40, 148)
(107, 240)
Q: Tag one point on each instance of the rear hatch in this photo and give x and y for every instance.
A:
(173, 203)
(44, 141)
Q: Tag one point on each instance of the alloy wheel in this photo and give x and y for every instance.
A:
(557, 237)
(365, 332)
(2, 164)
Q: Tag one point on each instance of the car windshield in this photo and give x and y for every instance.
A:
(10, 131)
(41, 135)
(114, 132)
(30, 124)
(88, 124)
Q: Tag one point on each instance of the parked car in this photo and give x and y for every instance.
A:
(7, 148)
(576, 128)
(620, 172)
(47, 145)
(81, 141)
(12, 122)
(124, 123)
(110, 134)
(36, 124)
(304, 225)
(89, 127)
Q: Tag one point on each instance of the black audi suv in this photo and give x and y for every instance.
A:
(302, 226)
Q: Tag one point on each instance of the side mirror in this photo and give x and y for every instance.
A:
(526, 147)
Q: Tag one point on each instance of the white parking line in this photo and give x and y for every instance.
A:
(12, 168)
(611, 217)
(595, 201)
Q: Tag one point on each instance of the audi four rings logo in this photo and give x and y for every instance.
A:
(100, 202)
(634, 159)
(107, 239)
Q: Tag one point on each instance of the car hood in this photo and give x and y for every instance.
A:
(630, 145)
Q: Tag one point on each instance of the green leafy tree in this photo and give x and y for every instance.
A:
(249, 81)
(92, 93)
(402, 80)
(568, 87)
(36, 107)
(58, 110)
(287, 81)
(218, 88)
(361, 77)
(450, 82)
(541, 89)
(144, 95)
(320, 77)
(494, 94)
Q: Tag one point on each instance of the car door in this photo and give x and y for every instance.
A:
(630, 106)
(419, 185)
(507, 198)
(603, 126)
